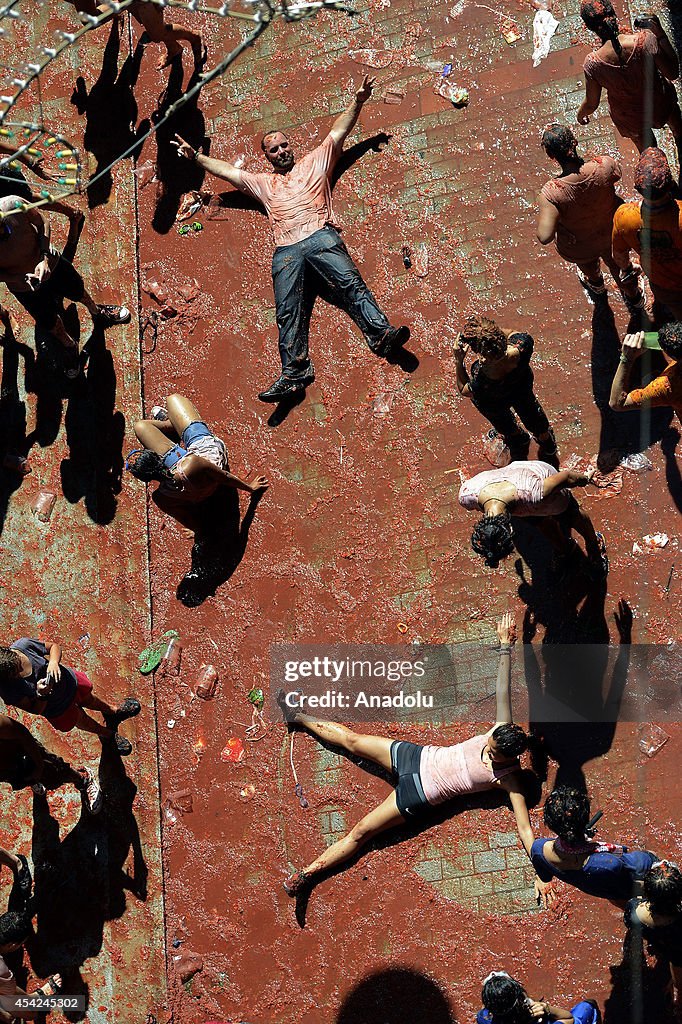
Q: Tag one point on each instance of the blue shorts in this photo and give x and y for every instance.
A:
(172, 457)
(409, 792)
(194, 431)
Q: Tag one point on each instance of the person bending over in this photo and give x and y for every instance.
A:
(576, 212)
(309, 250)
(500, 385)
(33, 678)
(532, 490)
(505, 1001)
(15, 928)
(605, 870)
(636, 70)
(39, 277)
(426, 776)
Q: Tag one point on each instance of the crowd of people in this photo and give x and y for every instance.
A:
(592, 227)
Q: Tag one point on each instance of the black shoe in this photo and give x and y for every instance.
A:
(393, 339)
(598, 569)
(128, 709)
(284, 388)
(111, 316)
(123, 746)
(23, 877)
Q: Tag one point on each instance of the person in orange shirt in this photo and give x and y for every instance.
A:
(663, 390)
(653, 228)
(310, 258)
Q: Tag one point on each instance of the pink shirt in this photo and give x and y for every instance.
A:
(299, 202)
(528, 479)
(586, 201)
(446, 772)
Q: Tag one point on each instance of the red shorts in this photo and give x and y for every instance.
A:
(66, 721)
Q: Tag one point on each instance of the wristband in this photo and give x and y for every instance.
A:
(623, 359)
(504, 649)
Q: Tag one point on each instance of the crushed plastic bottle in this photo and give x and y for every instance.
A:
(495, 449)
(170, 663)
(656, 540)
(651, 739)
(43, 505)
(206, 682)
(638, 462)
(233, 751)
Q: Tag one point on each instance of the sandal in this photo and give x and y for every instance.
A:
(23, 876)
(52, 986)
(151, 657)
(295, 883)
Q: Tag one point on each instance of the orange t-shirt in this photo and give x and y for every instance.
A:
(657, 236)
(299, 202)
(663, 390)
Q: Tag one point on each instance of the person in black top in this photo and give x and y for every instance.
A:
(656, 916)
(500, 384)
(32, 678)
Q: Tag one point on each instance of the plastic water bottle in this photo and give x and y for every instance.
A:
(43, 505)
(170, 663)
(206, 682)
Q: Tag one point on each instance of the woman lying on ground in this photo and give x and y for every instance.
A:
(606, 870)
(505, 1001)
(428, 775)
(188, 472)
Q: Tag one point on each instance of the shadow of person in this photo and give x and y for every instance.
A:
(395, 995)
(110, 110)
(95, 433)
(639, 991)
(81, 880)
(175, 175)
(576, 684)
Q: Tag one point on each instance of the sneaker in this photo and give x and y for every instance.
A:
(111, 316)
(123, 746)
(38, 789)
(91, 793)
(127, 709)
(159, 413)
(284, 388)
(23, 877)
(636, 305)
(599, 570)
(393, 339)
(593, 289)
(71, 362)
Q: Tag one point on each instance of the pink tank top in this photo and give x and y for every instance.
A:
(446, 772)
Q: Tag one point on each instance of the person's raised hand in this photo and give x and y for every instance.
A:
(184, 149)
(365, 90)
(506, 629)
(538, 1009)
(461, 347)
(632, 346)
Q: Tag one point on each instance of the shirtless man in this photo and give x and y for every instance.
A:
(40, 278)
(576, 212)
(298, 201)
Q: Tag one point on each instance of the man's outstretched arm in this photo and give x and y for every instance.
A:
(345, 123)
(219, 168)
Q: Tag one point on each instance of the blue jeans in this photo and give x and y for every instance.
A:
(319, 265)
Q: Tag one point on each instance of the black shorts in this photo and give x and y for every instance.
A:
(45, 304)
(409, 792)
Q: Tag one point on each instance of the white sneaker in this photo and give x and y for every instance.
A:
(91, 794)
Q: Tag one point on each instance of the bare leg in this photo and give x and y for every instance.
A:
(550, 529)
(374, 748)
(582, 524)
(88, 724)
(60, 332)
(383, 817)
(94, 703)
(153, 438)
(181, 412)
(591, 271)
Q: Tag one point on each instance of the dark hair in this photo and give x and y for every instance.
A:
(505, 1000)
(484, 336)
(567, 812)
(653, 178)
(559, 142)
(510, 739)
(670, 339)
(273, 131)
(149, 466)
(15, 926)
(663, 888)
(9, 663)
(492, 538)
(600, 18)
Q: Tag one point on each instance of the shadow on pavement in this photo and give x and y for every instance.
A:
(394, 996)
